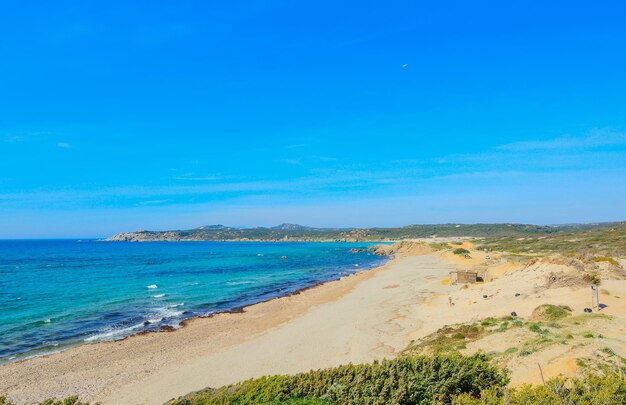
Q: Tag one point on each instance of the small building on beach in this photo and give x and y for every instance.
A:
(463, 277)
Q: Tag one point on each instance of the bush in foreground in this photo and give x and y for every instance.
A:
(597, 389)
(405, 380)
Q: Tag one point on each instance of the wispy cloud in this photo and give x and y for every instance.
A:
(326, 158)
(154, 202)
(594, 139)
(291, 161)
(12, 138)
(295, 146)
(193, 176)
(197, 178)
(64, 145)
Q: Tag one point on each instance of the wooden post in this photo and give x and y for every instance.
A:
(595, 300)
(541, 372)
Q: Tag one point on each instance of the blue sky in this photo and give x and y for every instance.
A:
(156, 115)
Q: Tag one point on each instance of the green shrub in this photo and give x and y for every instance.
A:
(601, 389)
(536, 327)
(460, 251)
(549, 312)
(609, 260)
(609, 351)
(405, 380)
(592, 278)
(525, 353)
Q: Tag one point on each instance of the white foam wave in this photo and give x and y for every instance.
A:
(152, 287)
(239, 282)
(158, 296)
(111, 334)
(169, 312)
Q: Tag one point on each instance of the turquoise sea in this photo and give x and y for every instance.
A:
(59, 293)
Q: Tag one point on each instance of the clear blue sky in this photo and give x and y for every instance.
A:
(166, 115)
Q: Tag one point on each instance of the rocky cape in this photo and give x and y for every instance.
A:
(281, 233)
(299, 233)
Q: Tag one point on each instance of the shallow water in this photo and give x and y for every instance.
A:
(59, 293)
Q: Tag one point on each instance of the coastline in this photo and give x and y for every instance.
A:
(85, 348)
(235, 304)
(366, 316)
(169, 329)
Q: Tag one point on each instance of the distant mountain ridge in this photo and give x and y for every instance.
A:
(295, 232)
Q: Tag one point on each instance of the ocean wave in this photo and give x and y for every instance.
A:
(158, 296)
(152, 287)
(168, 312)
(239, 282)
(112, 334)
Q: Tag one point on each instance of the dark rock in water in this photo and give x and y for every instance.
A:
(146, 323)
(587, 310)
(517, 294)
(356, 250)
(513, 314)
(167, 328)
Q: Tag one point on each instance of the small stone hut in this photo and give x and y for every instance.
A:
(463, 277)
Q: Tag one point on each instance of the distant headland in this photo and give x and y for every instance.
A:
(300, 233)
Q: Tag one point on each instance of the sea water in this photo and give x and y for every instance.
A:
(58, 293)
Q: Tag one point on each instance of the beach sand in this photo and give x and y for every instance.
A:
(367, 316)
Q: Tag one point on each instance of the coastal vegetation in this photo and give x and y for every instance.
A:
(599, 244)
(600, 388)
(440, 379)
(404, 380)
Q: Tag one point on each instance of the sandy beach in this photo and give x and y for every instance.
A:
(367, 316)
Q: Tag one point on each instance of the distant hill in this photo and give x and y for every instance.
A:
(294, 232)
